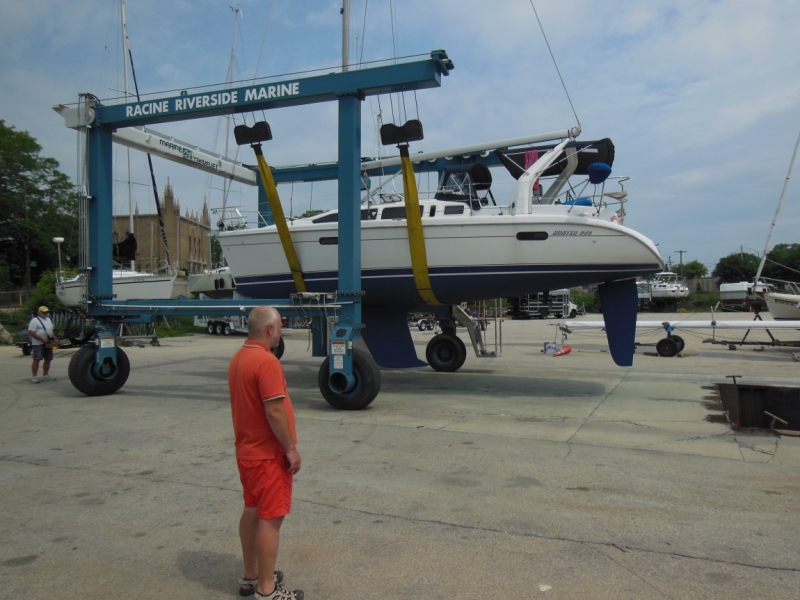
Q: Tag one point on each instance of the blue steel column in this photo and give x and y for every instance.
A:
(100, 213)
(350, 209)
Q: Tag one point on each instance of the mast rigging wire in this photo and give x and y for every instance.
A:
(554, 62)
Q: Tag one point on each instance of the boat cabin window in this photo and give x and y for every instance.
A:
(433, 211)
(396, 212)
(367, 214)
(330, 218)
(454, 210)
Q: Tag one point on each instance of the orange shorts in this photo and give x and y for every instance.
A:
(267, 486)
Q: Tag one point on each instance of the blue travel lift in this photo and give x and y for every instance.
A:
(348, 378)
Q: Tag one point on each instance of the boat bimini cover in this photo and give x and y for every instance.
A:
(462, 183)
(588, 153)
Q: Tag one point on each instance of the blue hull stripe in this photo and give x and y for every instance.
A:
(451, 284)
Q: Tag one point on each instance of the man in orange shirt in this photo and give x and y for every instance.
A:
(266, 453)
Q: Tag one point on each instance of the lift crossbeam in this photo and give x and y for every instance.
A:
(403, 77)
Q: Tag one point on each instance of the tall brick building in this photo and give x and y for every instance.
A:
(187, 235)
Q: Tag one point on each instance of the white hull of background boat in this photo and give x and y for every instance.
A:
(783, 306)
(215, 283)
(667, 286)
(126, 286)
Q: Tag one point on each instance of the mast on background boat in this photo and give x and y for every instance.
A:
(226, 182)
(777, 212)
(345, 35)
(125, 89)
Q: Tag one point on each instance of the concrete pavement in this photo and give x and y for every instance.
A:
(525, 476)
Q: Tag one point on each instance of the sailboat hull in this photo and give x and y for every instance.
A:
(469, 259)
(126, 286)
(783, 306)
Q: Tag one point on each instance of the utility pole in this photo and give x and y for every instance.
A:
(681, 252)
(27, 237)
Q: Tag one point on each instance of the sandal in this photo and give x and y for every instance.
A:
(247, 587)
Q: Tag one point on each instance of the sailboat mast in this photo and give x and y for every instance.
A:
(777, 211)
(231, 65)
(125, 88)
(345, 35)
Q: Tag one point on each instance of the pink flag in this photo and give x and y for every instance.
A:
(531, 156)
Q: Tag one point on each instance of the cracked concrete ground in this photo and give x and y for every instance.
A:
(520, 477)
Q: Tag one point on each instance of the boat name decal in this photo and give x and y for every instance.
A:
(569, 232)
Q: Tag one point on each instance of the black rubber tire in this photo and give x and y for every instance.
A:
(667, 347)
(573, 314)
(27, 349)
(218, 328)
(422, 326)
(210, 328)
(431, 325)
(679, 340)
(85, 377)
(279, 349)
(446, 353)
(368, 383)
(226, 330)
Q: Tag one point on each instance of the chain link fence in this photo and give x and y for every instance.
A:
(15, 298)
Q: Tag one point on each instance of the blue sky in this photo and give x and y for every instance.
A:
(701, 98)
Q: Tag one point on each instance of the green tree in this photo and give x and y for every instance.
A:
(739, 266)
(37, 203)
(783, 262)
(310, 213)
(216, 251)
(694, 269)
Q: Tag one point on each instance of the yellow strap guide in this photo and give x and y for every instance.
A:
(280, 221)
(416, 237)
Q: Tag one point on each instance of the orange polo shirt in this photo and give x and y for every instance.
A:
(255, 375)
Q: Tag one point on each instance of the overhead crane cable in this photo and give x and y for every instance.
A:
(280, 219)
(161, 224)
(263, 39)
(416, 236)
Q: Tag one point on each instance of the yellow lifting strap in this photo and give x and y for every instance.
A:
(416, 238)
(280, 221)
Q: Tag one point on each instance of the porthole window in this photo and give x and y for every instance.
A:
(531, 235)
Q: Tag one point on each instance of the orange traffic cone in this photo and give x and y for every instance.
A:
(563, 351)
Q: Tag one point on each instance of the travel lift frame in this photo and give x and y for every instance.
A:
(351, 377)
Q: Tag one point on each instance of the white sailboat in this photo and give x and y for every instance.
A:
(475, 248)
(668, 286)
(219, 282)
(784, 302)
(126, 284)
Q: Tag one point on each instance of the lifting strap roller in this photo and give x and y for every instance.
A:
(416, 237)
(280, 219)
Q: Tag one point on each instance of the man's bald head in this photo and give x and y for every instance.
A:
(261, 318)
